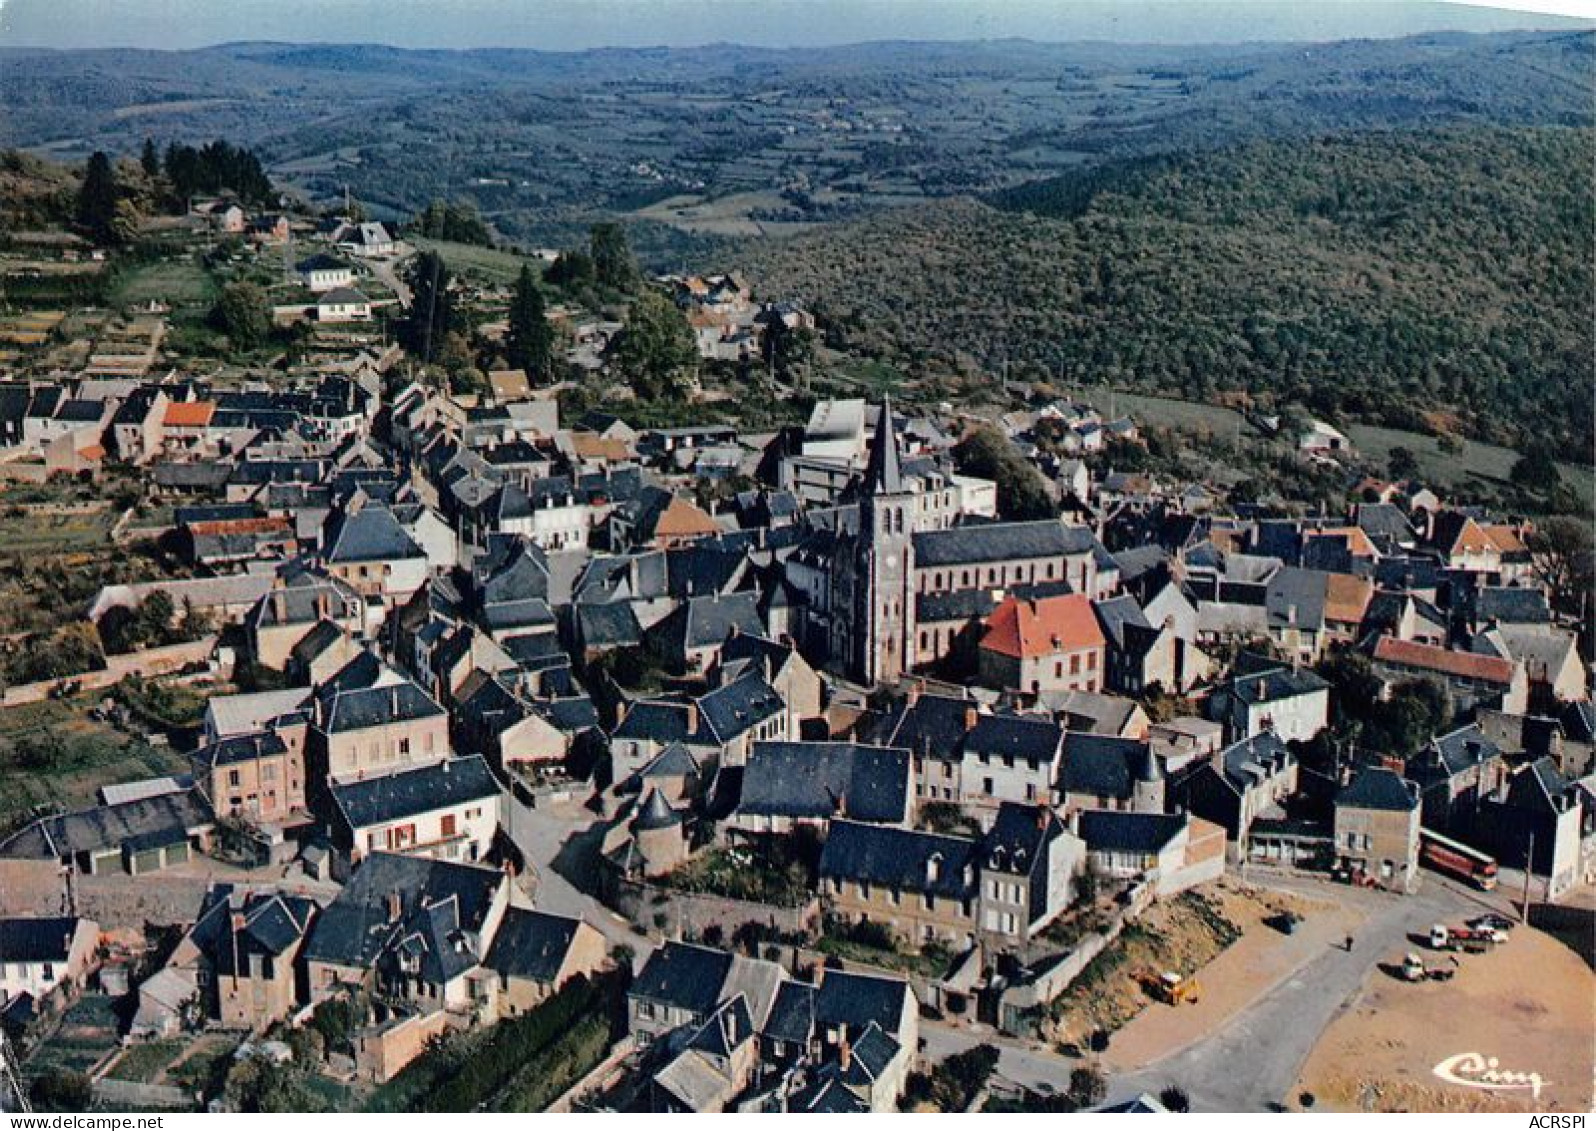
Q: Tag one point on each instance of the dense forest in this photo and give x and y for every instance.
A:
(1432, 280)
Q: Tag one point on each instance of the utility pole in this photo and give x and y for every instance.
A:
(1529, 872)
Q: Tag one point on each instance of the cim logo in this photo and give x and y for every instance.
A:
(1472, 1070)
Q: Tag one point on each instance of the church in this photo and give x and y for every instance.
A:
(886, 584)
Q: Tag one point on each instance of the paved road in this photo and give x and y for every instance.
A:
(542, 835)
(1253, 1061)
(388, 272)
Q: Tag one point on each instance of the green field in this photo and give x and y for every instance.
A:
(1165, 412)
(486, 263)
(84, 754)
(1476, 461)
(176, 282)
(33, 532)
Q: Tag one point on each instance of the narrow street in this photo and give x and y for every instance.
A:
(543, 835)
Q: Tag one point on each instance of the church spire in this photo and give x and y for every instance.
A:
(882, 475)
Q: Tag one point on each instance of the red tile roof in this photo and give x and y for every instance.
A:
(1463, 665)
(1024, 628)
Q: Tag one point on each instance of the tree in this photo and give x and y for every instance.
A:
(1087, 1086)
(656, 352)
(530, 340)
(1175, 1098)
(97, 198)
(1562, 553)
(455, 222)
(61, 1089)
(613, 265)
(432, 313)
(1021, 491)
(571, 271)
(1403, 463)
(1536, 471)
(149, 160)
(244, 314)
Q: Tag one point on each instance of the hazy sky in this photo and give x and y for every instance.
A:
(575, 24)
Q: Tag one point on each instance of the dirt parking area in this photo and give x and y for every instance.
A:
(1521, 1012)
(1260, 959)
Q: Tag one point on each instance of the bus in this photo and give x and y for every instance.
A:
(1459, 861)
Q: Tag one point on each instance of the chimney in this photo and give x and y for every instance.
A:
(395, 906)
(620, 712)
(280, 605)
(970, 716)
(844, 1053)
(692, 717)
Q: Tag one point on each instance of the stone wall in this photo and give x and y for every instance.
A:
(148, 662)
(688, 914)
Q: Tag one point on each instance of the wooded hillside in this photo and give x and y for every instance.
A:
(1437, 280)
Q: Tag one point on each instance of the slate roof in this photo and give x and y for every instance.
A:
(438, 899)
(1025, 737)
(371, 534)
(1101, 765)
(932, 727)
(1115, 614)
(1246, 762)
(532, 944)
(1379, 788)
(1108, 830)
(407, 793)
(739, 706)
(999, 541)
(859, 1001)
(36, 940)
(958, 605)
(612, 625)
(378, 706)
(1275, 684)
(792, 1014)
(900, 858)
(703, 622)
(826, 779)
(1511, 606)
(238, 748)
(272, 924)
(685, 976)
(160, 820)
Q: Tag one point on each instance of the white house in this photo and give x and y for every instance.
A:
(39, 955)
(323, 273)
(343, 304)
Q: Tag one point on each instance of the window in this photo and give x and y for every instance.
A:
(986, 786)
(232, 777)
(1075, 664)
(404, 748)
(448, 824)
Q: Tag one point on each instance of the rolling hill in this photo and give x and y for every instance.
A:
(1438, 280)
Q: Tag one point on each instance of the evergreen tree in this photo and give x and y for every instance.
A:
(613, 265)
(432, 313)
(150, 160)
(530, 339)
(97, 200)
(656, 353)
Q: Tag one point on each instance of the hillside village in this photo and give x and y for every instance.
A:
(687, 764)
